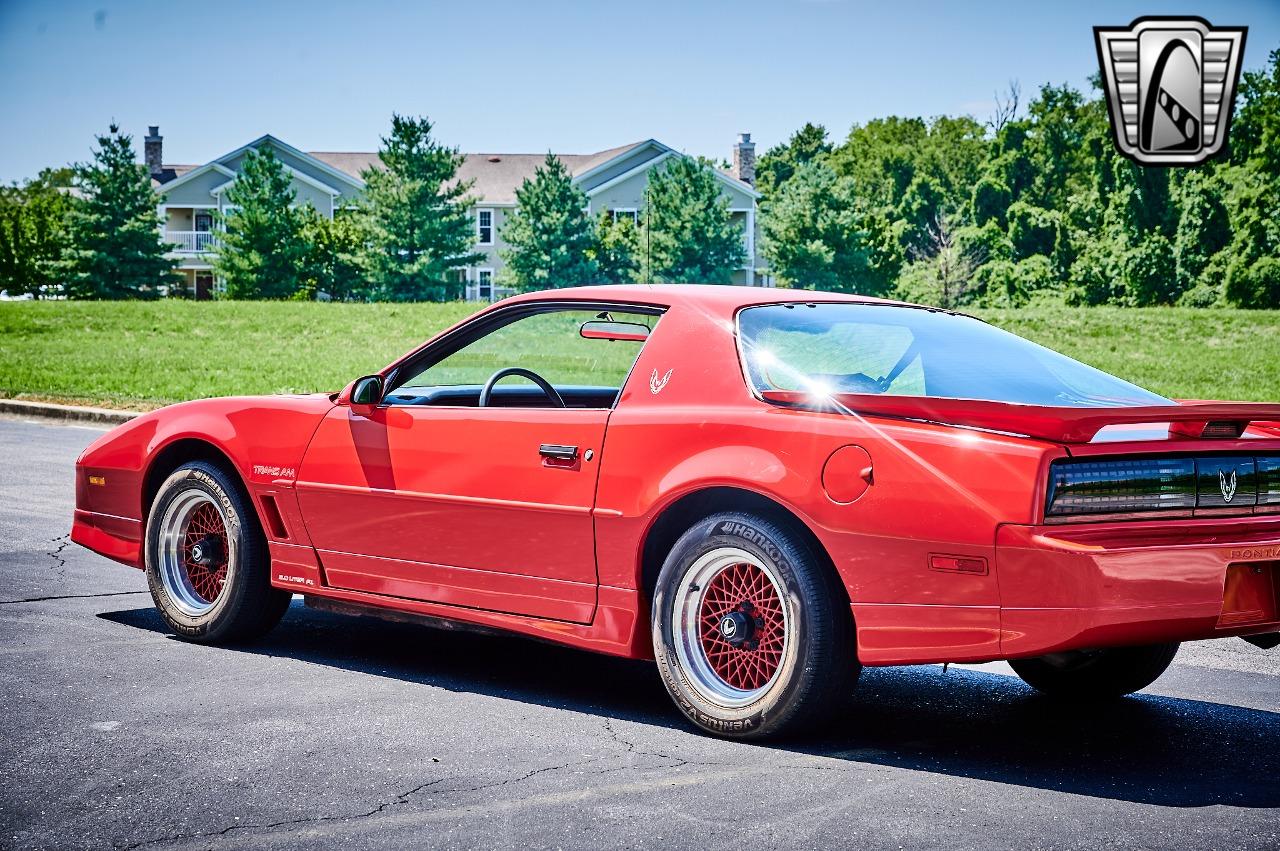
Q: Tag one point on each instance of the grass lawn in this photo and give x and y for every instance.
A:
(139, 355)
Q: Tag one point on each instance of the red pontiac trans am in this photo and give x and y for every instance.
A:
(764, 490)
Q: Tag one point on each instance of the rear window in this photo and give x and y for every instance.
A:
(906, 351)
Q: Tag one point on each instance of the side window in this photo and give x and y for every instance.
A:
(586, 372)
(484, 227)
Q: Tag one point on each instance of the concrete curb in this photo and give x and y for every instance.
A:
(70, 413)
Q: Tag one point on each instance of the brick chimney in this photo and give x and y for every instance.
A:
(744, 159)
(153, 149)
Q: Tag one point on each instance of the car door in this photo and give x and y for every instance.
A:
(429, 496)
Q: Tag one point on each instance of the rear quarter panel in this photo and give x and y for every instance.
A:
(936, 489)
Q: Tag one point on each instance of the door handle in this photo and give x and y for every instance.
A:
(555, 450)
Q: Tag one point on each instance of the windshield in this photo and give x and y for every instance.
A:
(907, 351)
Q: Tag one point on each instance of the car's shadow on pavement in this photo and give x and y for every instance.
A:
(1147, 749)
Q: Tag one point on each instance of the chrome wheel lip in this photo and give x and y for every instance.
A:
(173, 571)
(686, 610)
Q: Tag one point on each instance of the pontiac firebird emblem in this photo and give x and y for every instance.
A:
(1170, 86)
(656, 384)
(1227, 485)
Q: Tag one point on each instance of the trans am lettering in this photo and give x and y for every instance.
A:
(275, 472)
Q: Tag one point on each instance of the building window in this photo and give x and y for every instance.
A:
(484, 227)
(626, 213)
(484, 284)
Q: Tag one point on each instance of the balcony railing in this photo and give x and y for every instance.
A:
(476, 291)
(190, 241)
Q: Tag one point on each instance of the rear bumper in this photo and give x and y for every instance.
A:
(118, 538)
(1067, 587)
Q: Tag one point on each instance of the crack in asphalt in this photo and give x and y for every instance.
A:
(632, 747)
(63, 541)
(403, 797)
(400, 798)
(72, 597)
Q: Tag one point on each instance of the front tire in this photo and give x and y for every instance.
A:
(1096, 674)
(206, 559)
(751, 632)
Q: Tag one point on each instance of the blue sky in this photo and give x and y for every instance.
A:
(529, 76)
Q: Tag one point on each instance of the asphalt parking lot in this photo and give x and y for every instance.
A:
(356, 733)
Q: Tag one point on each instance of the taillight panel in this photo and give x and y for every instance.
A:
(1146, 486)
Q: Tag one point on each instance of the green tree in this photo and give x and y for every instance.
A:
(33, 233)
(1009, 283)
(1254, 204)
(263, 249)
(922, 206)
(1095, 276)
(780, 162)
(991, 200)
(1255, 284)
(1251, 194)
(819, 235)
(882, 158)
(113, 250)
(550, 235)
(1042, 206)
(1148, 272)
(1010, 162)
(1255, 132)
(332, 268)
(1056, 145)
(1203, 227)
(692, 235)
(917, 172)
(955, 155)
(618, 249)
(1035, 230)
(946, 274)
(1118, 218)
(416, 215)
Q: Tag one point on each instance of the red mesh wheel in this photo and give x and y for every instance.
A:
(741, 626)
(204, 552)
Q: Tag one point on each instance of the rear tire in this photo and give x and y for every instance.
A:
(1096, 674)
(752, 634)
(206, 559)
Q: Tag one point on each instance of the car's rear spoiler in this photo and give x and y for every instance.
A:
(1061, 425)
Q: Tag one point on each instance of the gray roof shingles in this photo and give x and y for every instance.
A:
(496, 176)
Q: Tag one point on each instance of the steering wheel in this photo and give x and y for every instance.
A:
(543, 385)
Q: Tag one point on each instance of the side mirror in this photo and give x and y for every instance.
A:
(631, 332)
(366, 393)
